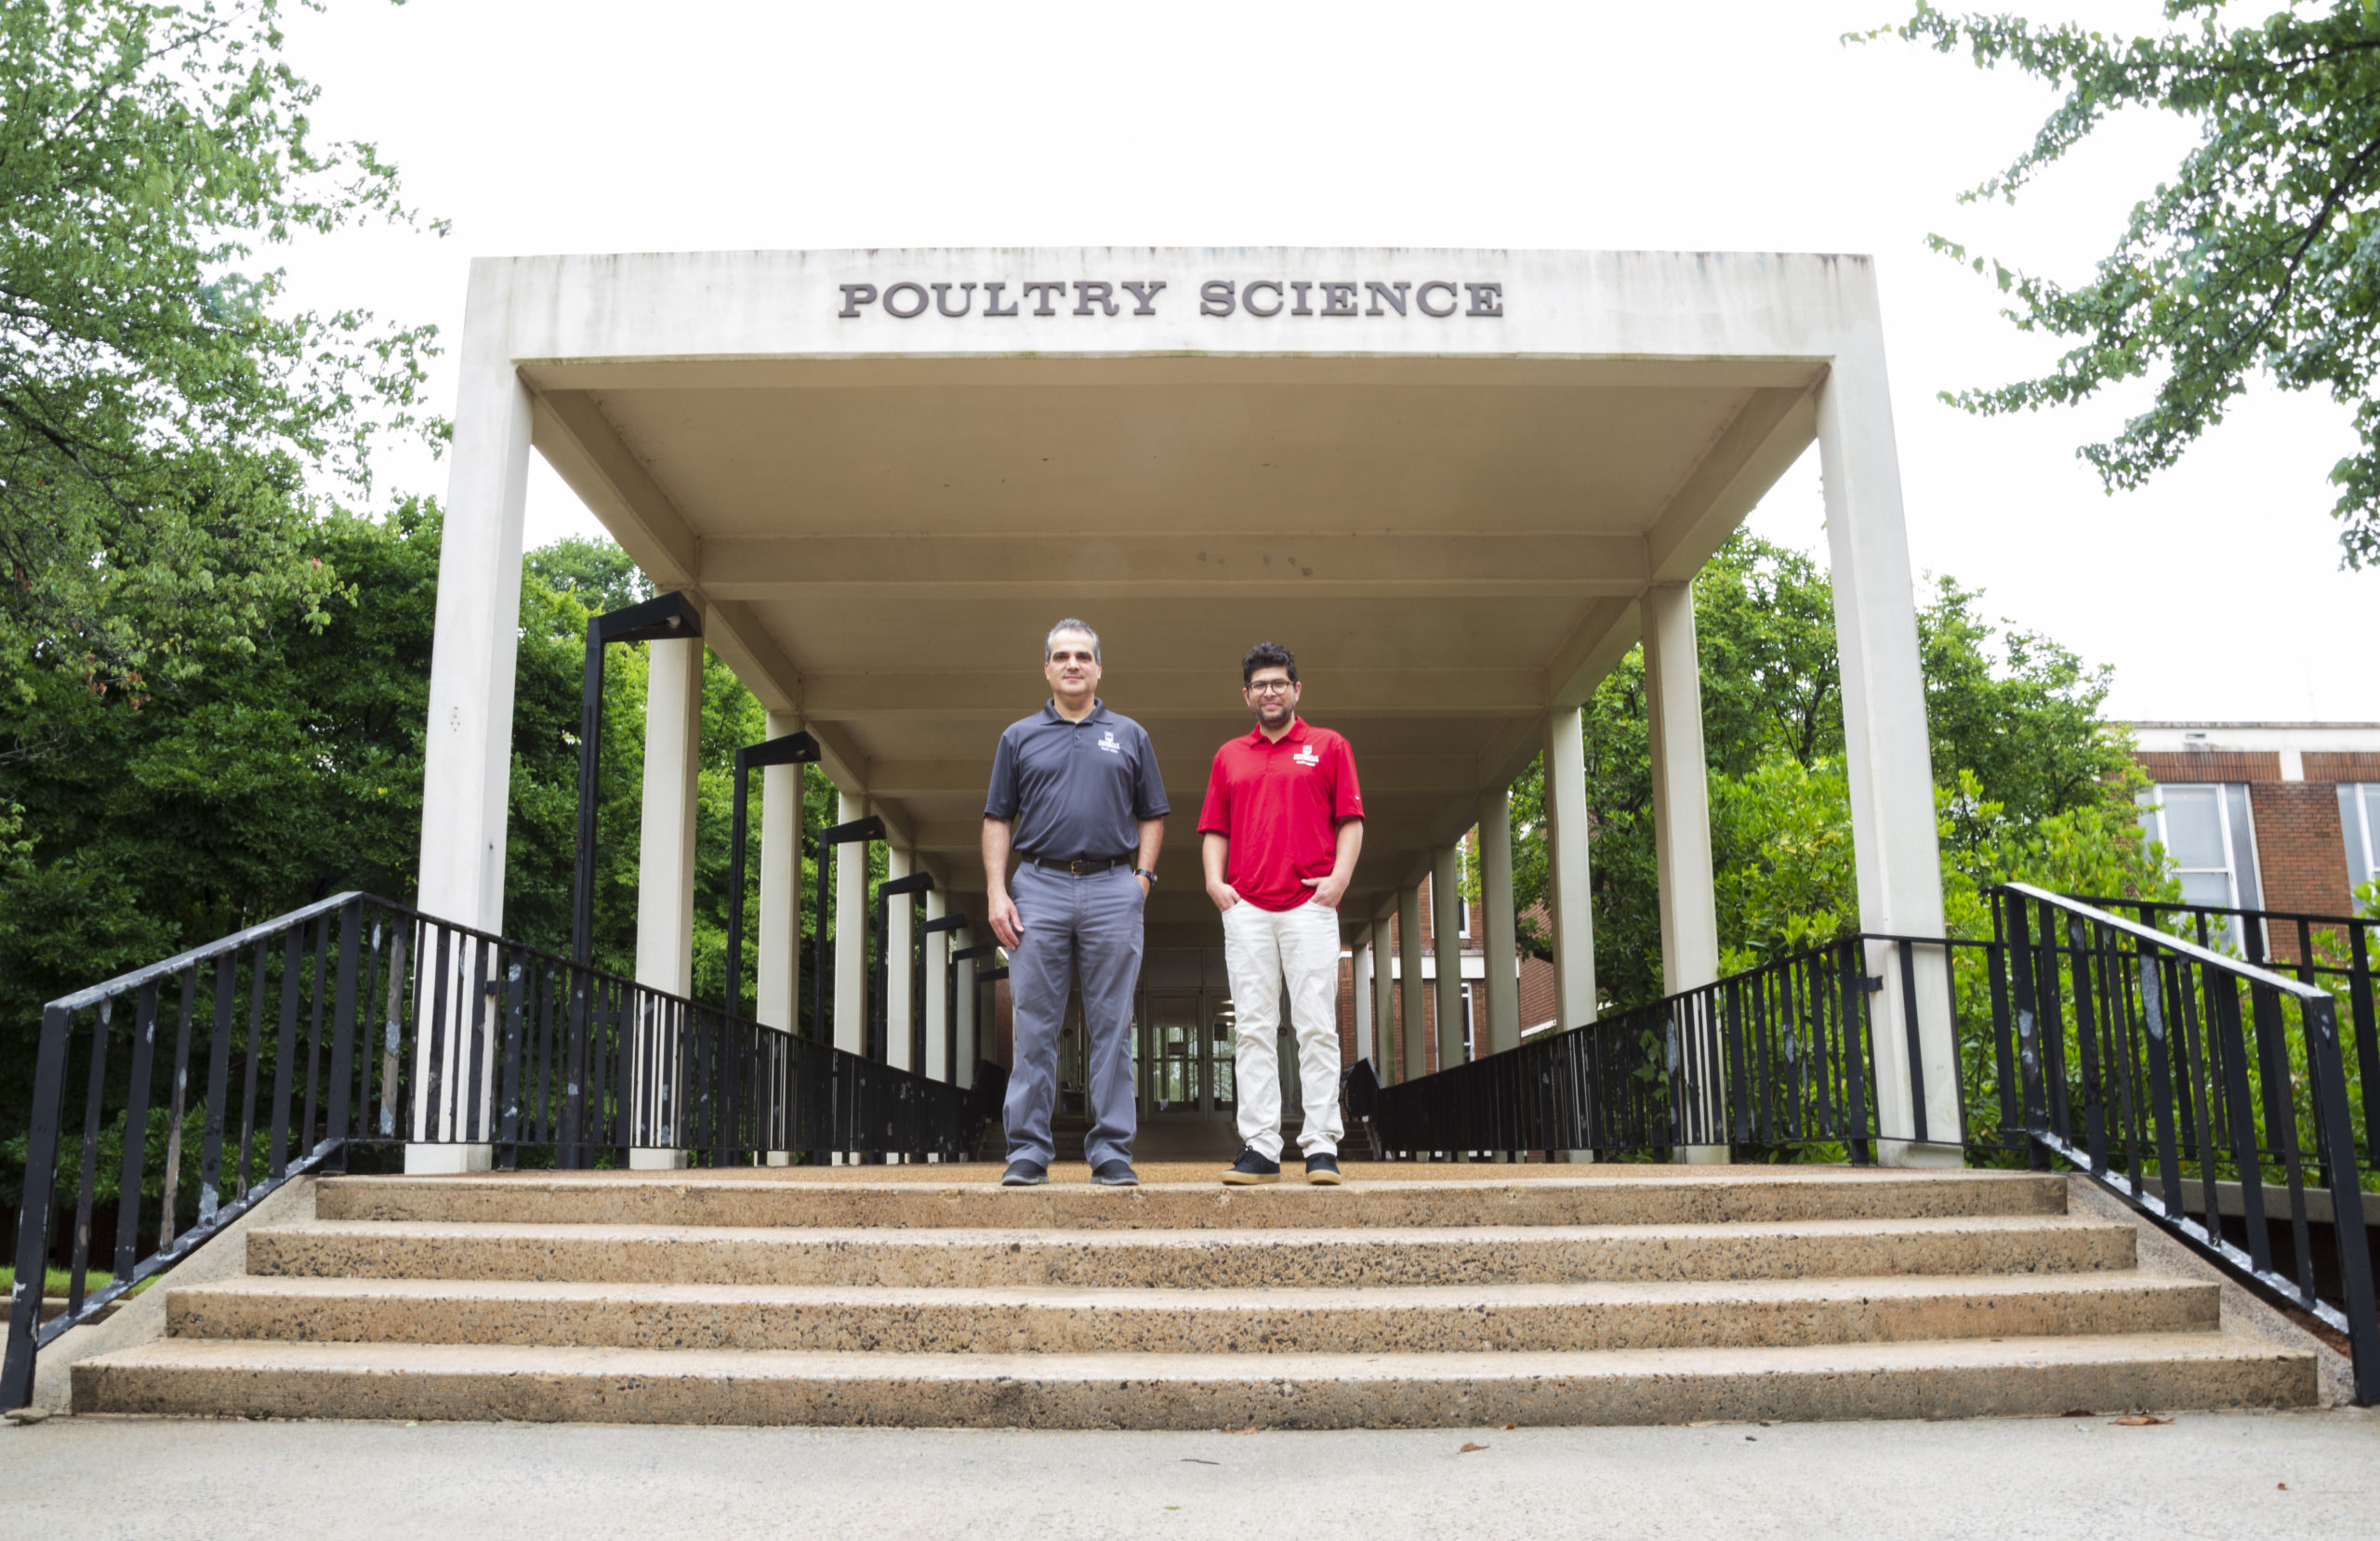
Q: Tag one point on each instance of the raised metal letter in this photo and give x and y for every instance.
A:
(855, 296)
(1422, 298)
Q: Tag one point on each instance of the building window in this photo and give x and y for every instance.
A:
(1462, 865)
(2359, 817)
(2210, 838)
(1470, 1048)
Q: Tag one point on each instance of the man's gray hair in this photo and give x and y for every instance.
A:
(1070, 623)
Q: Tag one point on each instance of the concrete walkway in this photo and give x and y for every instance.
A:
(2293, 1475)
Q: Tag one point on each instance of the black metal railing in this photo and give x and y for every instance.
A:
(1779, 1056)
(2180, 1077)
(179, 1095)
(2197, 1085)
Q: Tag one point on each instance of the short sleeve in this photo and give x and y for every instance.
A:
(1001, 801)
(1346, 795)
(1215, 817)
(1148, 782)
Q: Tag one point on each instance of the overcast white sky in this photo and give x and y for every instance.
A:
(571, 126)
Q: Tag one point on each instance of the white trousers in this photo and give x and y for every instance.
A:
(1261, 948)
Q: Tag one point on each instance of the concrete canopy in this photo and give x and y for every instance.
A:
(1451, 513)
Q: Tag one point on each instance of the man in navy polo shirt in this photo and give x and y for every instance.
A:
(1281, 829)
(1075, 794)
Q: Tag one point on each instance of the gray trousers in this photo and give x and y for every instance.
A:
(1089, 927)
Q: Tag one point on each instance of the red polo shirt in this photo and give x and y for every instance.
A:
(1281, 805)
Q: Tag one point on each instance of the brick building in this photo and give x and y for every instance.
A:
(2265, 815)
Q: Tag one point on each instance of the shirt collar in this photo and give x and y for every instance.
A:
(1295, 735)
(1050, 711)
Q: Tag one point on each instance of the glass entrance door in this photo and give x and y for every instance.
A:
(1185, 1060)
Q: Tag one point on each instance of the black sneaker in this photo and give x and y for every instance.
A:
(1251, 1169)
(1323, 1168)
(1116, 1173)
(1024, 1174)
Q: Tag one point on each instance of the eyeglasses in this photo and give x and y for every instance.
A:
(1271, 686)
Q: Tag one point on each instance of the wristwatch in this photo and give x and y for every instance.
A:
(1143, 872)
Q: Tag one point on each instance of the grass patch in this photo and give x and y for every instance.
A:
(56, 1282)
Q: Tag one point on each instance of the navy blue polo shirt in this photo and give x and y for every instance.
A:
(1075, 789)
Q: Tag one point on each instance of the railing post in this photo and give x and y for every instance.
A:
(2327, 1065)
(33, 1211)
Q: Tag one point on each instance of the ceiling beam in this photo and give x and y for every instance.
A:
(1385, 565)
(579, 442)
(1759, 444)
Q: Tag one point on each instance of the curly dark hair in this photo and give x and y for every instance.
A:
(1268, 655)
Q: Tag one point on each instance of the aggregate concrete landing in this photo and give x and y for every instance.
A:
(2308, 1476)
(1180, 1391)
(734, 1198)
(1210, 1260)
(1439, 1319)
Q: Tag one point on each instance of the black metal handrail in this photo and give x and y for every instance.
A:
(2140, 1063)
(1778, 1055)
(357, 1023)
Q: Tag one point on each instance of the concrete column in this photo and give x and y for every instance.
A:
(1360, 974)
(1566, 847)
(968, 1052)
(1502, 1006)
(779, 937)
(1413, 1041)
(900, 931)
(466, 752)
(664, 899)
(1383, 992)
(1687, 896)
(1446, 940)
(850, 933)
(1887, 758)
(937, 1065)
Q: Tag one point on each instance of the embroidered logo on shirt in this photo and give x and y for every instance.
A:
(1308, 755)
(1108, 741)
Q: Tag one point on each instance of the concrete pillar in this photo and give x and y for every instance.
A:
(1887, 758)
(1502, 1006)
(466, 752)
(850, 933)
(1415, 1061)
(1359, 973)
(664, 898)
(1687, 895)
(937, 1065)
(969, 1051)
(779, 937)
(1446, 940)
(1383, 992)
(1566, 849)
(900, 930)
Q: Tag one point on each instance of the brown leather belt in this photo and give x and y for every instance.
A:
(1082, 867)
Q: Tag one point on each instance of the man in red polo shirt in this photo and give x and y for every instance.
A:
(1282, 826)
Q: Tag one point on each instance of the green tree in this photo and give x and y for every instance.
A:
(2022, 758)
(2254, 255)
(161, 411)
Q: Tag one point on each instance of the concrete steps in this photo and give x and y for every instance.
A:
(1180, 1391)
(1435, 1319)
(1411, 1296)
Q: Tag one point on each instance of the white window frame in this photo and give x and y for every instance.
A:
(2229, 830)
(2359, 824)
